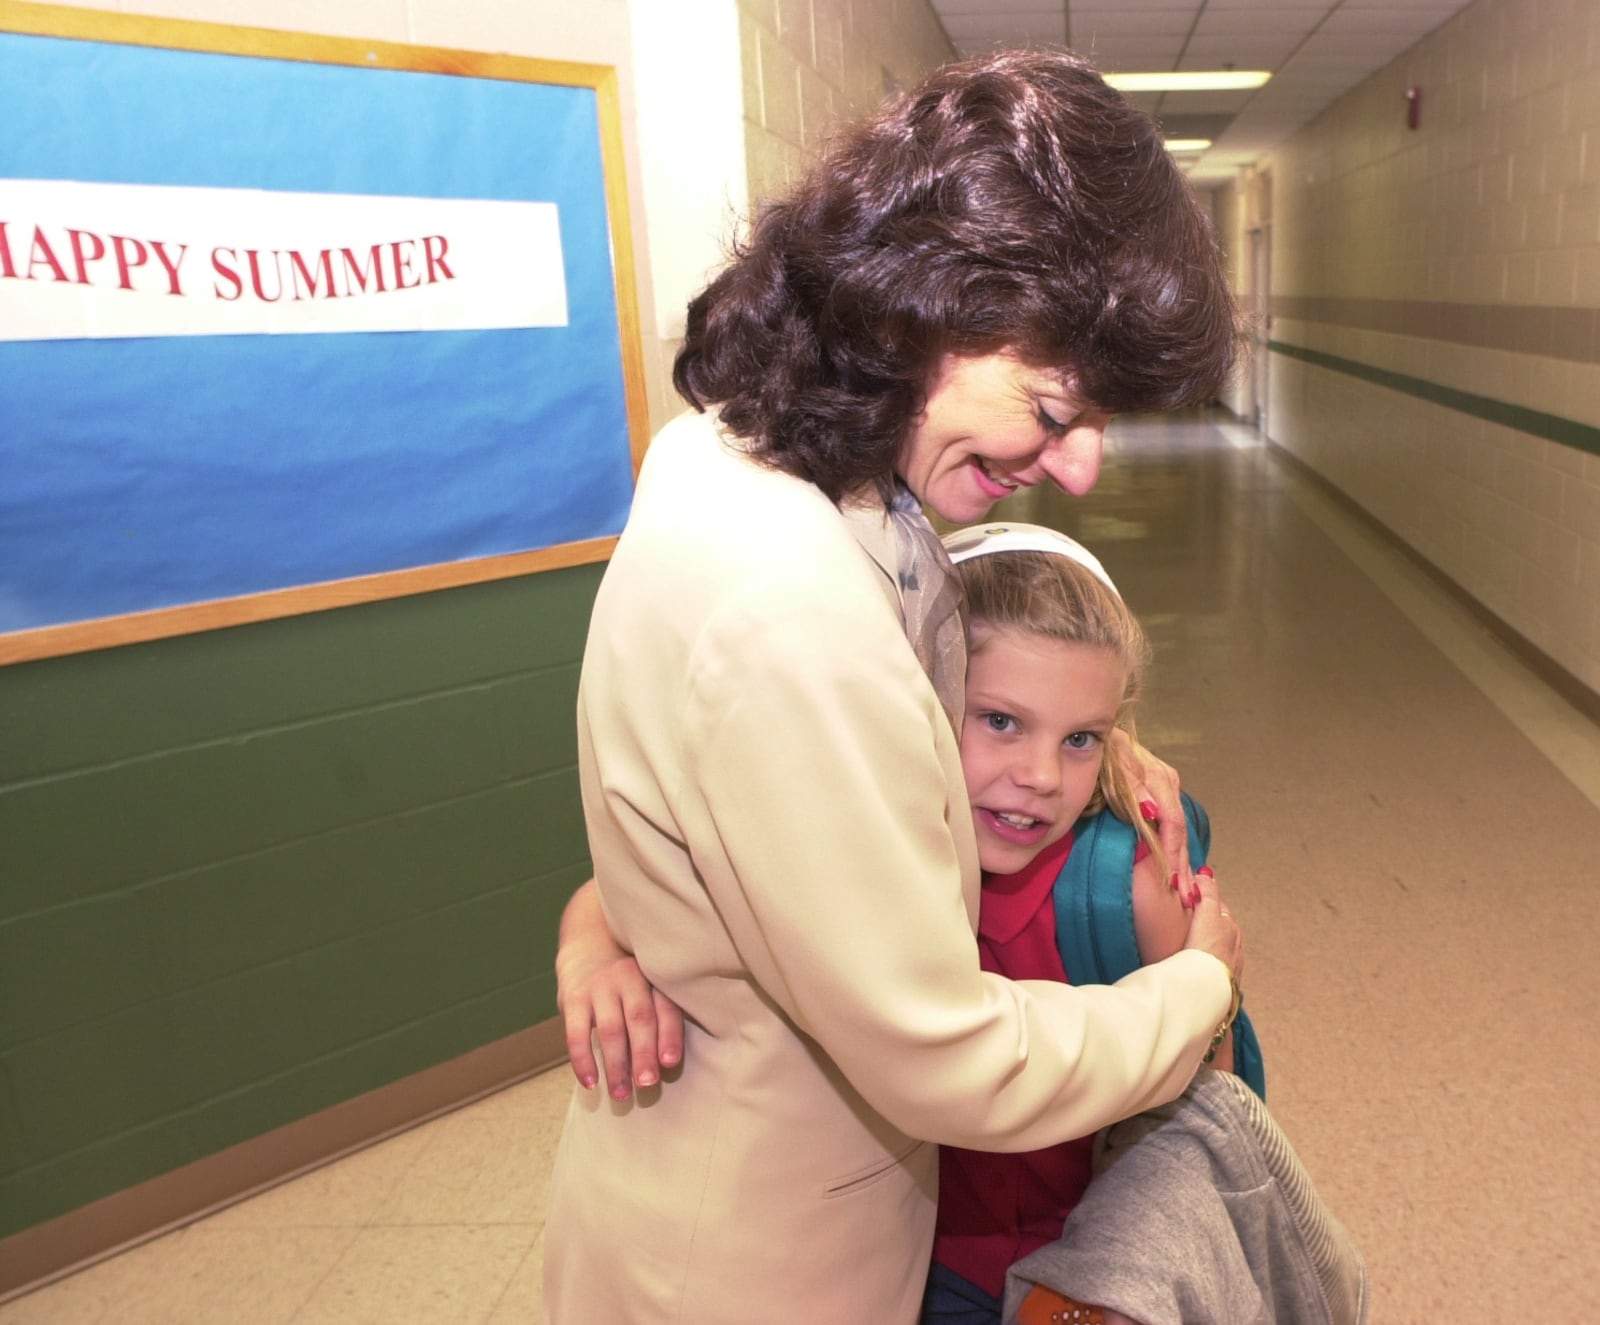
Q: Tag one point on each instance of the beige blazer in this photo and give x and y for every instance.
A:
(780, 832)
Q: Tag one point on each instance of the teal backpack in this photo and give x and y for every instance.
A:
(1094, 914)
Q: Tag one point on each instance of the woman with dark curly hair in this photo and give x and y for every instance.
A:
(947, 309)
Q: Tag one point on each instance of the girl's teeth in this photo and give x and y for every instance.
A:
(1017, 820)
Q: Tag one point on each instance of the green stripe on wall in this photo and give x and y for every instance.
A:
(1551, 333)
(1552, 427)
(251, 874)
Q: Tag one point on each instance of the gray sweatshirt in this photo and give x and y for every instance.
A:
(1200, 1213)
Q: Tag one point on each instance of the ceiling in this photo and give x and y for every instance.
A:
(1316, 50)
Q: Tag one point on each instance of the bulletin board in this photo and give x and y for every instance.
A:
(293, 322)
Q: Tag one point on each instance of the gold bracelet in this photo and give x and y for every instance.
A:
(1236, 997)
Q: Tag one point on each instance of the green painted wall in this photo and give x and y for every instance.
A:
(249, 874)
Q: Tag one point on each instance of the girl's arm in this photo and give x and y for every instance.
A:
(602, 994)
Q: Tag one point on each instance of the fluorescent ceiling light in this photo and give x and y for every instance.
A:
(1207, 80)
(1188, 144)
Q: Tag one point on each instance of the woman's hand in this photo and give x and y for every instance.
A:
(1212, 927)
(602, 994)
(1155, 786)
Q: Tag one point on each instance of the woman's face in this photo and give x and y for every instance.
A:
(994, 425)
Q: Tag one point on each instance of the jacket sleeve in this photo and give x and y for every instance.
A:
(818, 784)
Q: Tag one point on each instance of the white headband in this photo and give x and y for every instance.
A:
(979, 540)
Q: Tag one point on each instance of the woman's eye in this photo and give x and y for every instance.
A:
(1050, 422)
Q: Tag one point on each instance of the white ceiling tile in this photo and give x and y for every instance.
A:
(1148, 102)
(1229, 22)
(1321, 74)
(1130, 53)
(1019, 28)
(1149, 24)
(1411, 24)
(1264, 52)
(1272, 6)
(1204, 103)
(998, 11)
(1375, 49)
(1383, 20)
(1001, 19)
(1078, 8)
(1320, 49)
(1343, 52)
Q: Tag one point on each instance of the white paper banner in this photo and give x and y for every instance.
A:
(86, 261)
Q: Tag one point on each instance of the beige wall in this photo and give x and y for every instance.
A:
(810, 64)
(1462, 257)
(690, 139)
(1225, 208)
(1235, 212)
(735, 94)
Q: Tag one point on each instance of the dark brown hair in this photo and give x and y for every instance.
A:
(1013, 202)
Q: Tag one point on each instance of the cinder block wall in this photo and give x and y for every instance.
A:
(810, 64)
(1436, 293)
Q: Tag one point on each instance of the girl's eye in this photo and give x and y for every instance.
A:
(1082, 741)
(999, 722)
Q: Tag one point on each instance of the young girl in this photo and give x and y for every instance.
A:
(1055, 664)
(1205, 1214)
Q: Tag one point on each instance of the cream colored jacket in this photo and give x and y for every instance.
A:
(780, 832)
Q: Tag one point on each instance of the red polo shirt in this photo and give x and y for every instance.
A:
(995, 1209)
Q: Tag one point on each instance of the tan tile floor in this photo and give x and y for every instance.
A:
(439, 1224)
(1409, 825)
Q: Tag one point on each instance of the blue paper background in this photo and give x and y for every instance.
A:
(139, 474)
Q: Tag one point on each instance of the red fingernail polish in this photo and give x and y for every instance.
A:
(1174, 884)
(1206, 870)
(1194, 898)
(1150, 810)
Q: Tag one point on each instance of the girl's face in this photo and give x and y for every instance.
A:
(1038, 714)
(993, 425)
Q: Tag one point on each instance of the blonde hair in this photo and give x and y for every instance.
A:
(1050, 595)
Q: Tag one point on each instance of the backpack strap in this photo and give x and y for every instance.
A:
(1094, 914)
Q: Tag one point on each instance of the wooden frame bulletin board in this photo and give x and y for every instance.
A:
(292, 322)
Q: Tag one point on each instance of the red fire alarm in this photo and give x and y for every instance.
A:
(1413, 107)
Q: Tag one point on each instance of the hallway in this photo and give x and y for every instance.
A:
(1406, 822)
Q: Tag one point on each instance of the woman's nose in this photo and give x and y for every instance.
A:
(1073, 463)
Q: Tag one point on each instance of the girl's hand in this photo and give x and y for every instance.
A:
(602, 994)
(1155, 785)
